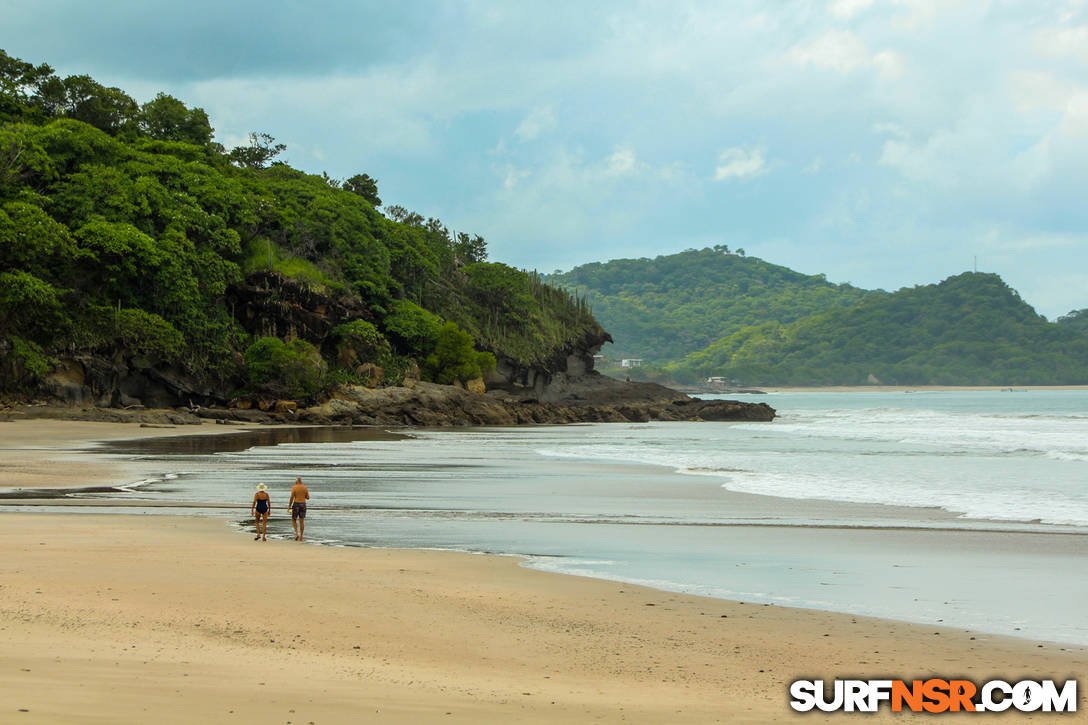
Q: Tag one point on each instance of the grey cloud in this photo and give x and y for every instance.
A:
(189, 41)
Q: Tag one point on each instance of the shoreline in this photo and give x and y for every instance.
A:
(534, 632)
(45, 453)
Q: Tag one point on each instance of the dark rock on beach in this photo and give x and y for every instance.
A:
(592, 398)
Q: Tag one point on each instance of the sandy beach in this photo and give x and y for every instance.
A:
(57, 453)
(176, 619)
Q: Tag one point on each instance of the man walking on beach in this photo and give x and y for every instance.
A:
(299, 495)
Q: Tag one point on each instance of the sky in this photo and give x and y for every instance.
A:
(884, 143)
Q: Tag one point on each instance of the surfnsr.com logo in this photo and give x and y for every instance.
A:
(934, 695)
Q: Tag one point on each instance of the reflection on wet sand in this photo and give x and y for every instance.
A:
(242, 440)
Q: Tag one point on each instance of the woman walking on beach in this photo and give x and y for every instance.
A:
(262, 504)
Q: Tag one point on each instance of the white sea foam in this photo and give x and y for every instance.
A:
(981, 464)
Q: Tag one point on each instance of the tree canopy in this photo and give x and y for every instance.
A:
(126, 227)
(712, 312)
(664, 308)
(970, 329)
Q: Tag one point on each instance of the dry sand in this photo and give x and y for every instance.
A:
(170, 619)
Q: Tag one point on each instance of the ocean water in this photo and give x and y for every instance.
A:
(966, 509)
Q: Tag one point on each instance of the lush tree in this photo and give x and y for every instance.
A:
(413, 328)
(27, 304)
(262, 149)
(454, 358)
(17, 79)
(167, 119)
(971, 329)
(33, 241)
(146, 333)
(124, 230)
(294, 367)
(664, 308)
(362, 338)
(21, 159)
(82, 98)
(364, 186)
(470, 249)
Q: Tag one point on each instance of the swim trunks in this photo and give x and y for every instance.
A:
(298, 510)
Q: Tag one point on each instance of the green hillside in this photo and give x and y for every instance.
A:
(130, 238)
(971, 329)
(661, 309)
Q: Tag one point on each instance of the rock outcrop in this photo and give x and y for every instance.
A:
(563, 388)
(551, 379)
(429, 404)
(440, 405)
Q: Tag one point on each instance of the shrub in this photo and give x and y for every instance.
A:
(454, 357)
(296, 366)
(362, 337)
(413, 328)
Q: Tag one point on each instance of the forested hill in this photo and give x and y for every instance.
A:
(971, 329)
(661, 309)
(712, 312)
(138, 257)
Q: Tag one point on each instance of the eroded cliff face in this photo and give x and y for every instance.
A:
(267, 304)
(125, 380)
(564, 371)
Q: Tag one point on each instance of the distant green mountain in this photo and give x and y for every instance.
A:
(971, 329)
(1075, 320)
(664, 308)
(712, 312)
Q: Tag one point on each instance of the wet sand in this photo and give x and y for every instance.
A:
(58, 453)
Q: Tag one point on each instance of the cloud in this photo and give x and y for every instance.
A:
(846, 9)
(569, 132)
(923, 14)
(1038, 90)
(740, 163)
(843, 51)
(622, 162)
(540, 120)
(512, 176)
(1063, 42)
(207, 39)
(838, 50)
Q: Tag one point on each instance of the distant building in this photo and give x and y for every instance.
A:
(631, 362)
(723, 381)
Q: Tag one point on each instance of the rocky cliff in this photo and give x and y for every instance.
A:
(428, 404)
(563, 388)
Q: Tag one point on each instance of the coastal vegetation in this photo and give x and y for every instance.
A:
(970, 329)
(661, 309)
(127, 233)
(715, 313)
